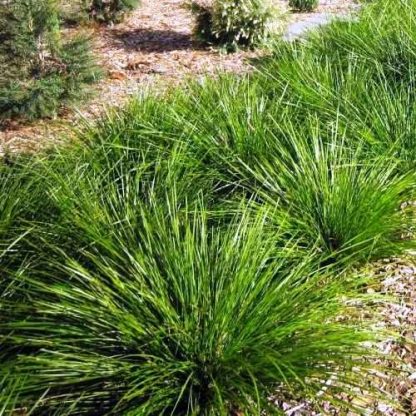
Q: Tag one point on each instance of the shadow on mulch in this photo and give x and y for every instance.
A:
(147, 40)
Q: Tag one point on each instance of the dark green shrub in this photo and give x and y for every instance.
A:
(39, 72)
(113, 11)
(232, 23)
(303, 5)
(74, 12)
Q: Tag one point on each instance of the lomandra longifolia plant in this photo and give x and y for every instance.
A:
(171, 315)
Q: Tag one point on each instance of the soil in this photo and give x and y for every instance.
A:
(153, 48)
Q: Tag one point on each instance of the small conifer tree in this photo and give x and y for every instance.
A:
(233, 23)
(38, 72)
(303, 5)
(111, 11)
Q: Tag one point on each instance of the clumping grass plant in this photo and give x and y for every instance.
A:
(383, 37)
(342, 194)
(356, 76)
(178, 317)
(193, 254)
(8, 397)
(16, 202)
(336, 198)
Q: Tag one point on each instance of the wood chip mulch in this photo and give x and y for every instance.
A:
(397, 284)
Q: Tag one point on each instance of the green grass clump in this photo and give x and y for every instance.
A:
(383, 38)
(178, 317)
(379, 38)
(355, 76)
(193, 255)
(137, 299)
(348, 206)
(341, 194)
(16, 203)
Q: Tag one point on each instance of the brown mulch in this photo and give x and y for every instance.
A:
(152, 47)
(397, 281)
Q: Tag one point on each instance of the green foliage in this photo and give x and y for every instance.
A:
(102, 11)
(137, 300)
(303, 5)
(320, 176)
(114, 11)
(171, 315)
(382, 39)
(9, 400)
(232, 23)
(16, 202)
(349, 206)
(356, 77)
(8, 397)
(27, 26)
(325, 183)
(193, 255)
(39, 73)
(74, 12)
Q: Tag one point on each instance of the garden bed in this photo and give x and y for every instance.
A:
(227, 246)
(152, 48)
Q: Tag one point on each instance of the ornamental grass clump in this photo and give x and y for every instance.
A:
(381, 39)
(323, 181)
(16, 204)
(347, 205)
(357, 76)
(233, 23)
(136, 300)
(194, 254)
(172, 315)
